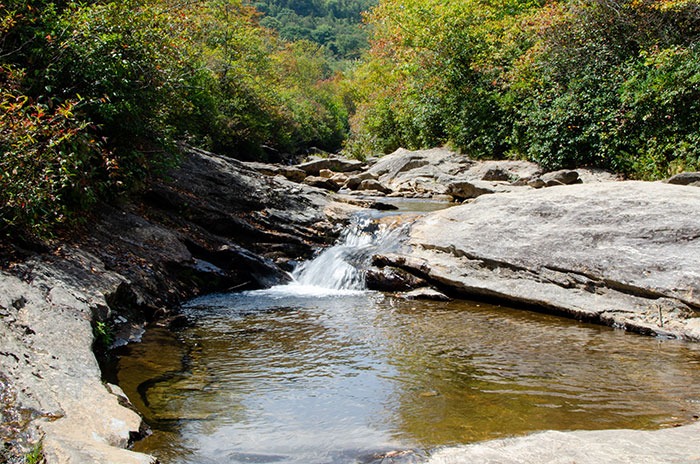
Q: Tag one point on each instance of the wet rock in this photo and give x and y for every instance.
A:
(685, 178)
(425, 293)
(390, 279)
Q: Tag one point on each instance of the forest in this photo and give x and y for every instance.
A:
(335, 24)
(97, 96)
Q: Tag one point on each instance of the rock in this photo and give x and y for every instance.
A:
(563, 177)
(353, 183)
(425, 173)
(314, 167)
(425, 293)
(464, 190)
(536, 183)
(371, 184)
(263, 168)
(293, 174)
(390, 279)
(322, 182)
(339, 178)
(614, 253)
(325, 173)
(685, 178)
(677, 445)
(367, 203)
(59, 378)
(496, 174)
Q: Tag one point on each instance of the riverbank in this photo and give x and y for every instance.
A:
(215, 224)
(219, 224)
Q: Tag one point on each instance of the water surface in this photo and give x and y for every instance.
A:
(275, 377)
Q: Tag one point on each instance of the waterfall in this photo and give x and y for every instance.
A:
(343, 266)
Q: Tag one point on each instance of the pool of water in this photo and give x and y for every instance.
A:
(296, 376)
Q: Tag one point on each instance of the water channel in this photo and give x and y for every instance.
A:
(323, 371)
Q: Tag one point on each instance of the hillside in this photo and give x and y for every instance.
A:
(335, 24)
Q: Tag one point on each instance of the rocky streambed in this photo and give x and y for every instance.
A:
(577, 243)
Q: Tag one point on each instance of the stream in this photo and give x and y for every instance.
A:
(324, 371)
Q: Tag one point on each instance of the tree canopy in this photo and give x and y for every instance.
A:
(606, 83)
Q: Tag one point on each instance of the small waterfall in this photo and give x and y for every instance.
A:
(343, 266)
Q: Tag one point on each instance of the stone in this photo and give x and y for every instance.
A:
(293, 174)
(425, 293)
(496, 174)
(314, 167)
(339, 178)
(322, 182)
(677, 445)
(685, 178)
(464, 190)
(371, 184)
(390, 279)
(563, 177)
(325, 173)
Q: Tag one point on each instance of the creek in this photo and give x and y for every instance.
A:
(324, 371)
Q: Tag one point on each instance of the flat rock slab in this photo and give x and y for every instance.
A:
(625, 254)
(677, 445)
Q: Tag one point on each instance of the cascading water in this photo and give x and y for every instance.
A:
(342, 267)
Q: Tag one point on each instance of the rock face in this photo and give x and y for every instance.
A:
(626, 254)
(213, 225)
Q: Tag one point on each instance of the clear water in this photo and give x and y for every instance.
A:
(337, 374)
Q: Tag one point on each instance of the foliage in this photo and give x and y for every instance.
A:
(36, 455)
(331, 23)
(103, 334)
(607, 83)
(96, 95)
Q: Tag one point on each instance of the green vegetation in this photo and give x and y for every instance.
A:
(606, 83)
(335, 24)
(36, 455)
(96, 95)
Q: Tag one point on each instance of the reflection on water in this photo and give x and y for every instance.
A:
(276, 376)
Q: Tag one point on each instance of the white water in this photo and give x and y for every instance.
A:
(341, 268)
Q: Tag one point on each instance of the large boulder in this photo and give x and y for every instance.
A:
(626, 254)
(314, 167)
